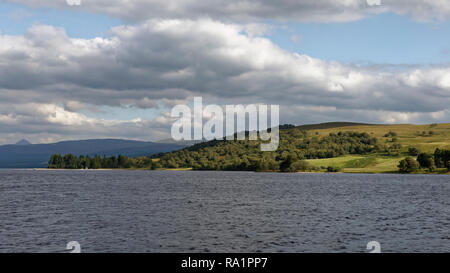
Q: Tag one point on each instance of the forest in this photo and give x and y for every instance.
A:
(295, 145)
(70, 161)
(297, 150)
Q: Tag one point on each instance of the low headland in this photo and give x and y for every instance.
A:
(328, 147)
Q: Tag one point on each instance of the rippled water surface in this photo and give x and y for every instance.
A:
(144, 211)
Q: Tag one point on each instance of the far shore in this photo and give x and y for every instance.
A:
(47, 169)
(190, 169)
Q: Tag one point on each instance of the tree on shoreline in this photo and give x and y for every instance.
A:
(442, 158)
(247, 156)
(426, 161)
(70, 161)
(408, 165)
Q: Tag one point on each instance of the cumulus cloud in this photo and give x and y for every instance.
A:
(177, 59)
(246, 10)
(242, 10)
(43, 123)
(421, 10)
(48, 78)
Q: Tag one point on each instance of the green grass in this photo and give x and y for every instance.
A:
(381, 165)
(358, 164)
(339, 162)
(408, 135)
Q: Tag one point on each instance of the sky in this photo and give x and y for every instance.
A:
(115, 68)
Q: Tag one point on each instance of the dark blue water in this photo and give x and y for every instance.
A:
(144, 211)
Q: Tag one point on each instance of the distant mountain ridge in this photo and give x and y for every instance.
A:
(24, 155)
(23, 142)
(331, 125)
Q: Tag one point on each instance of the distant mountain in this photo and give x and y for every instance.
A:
(180, 142)
(37, 155)
(330, 125)
(23, 142)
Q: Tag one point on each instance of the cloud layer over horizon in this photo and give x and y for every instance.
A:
(251, 10)
(49, 81)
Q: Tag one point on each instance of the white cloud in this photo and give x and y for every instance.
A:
(49, 123)
(421, 10)
(241, 10)
(244, 10)
(48, 78)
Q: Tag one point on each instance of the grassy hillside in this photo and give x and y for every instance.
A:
(417, 136)
(359, 164)
(347, 147)
(407, 135)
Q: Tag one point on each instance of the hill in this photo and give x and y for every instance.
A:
(348, 147)
(23, 142)
(330, 125)
(37, 155)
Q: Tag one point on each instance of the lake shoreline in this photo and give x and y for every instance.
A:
(189, 169)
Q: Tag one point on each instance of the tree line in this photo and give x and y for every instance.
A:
(424, 161)
(70, 161)
(295, 146)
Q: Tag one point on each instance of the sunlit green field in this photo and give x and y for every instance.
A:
(426, 138)
(417, 136)
(358, 164)
(408, 135)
